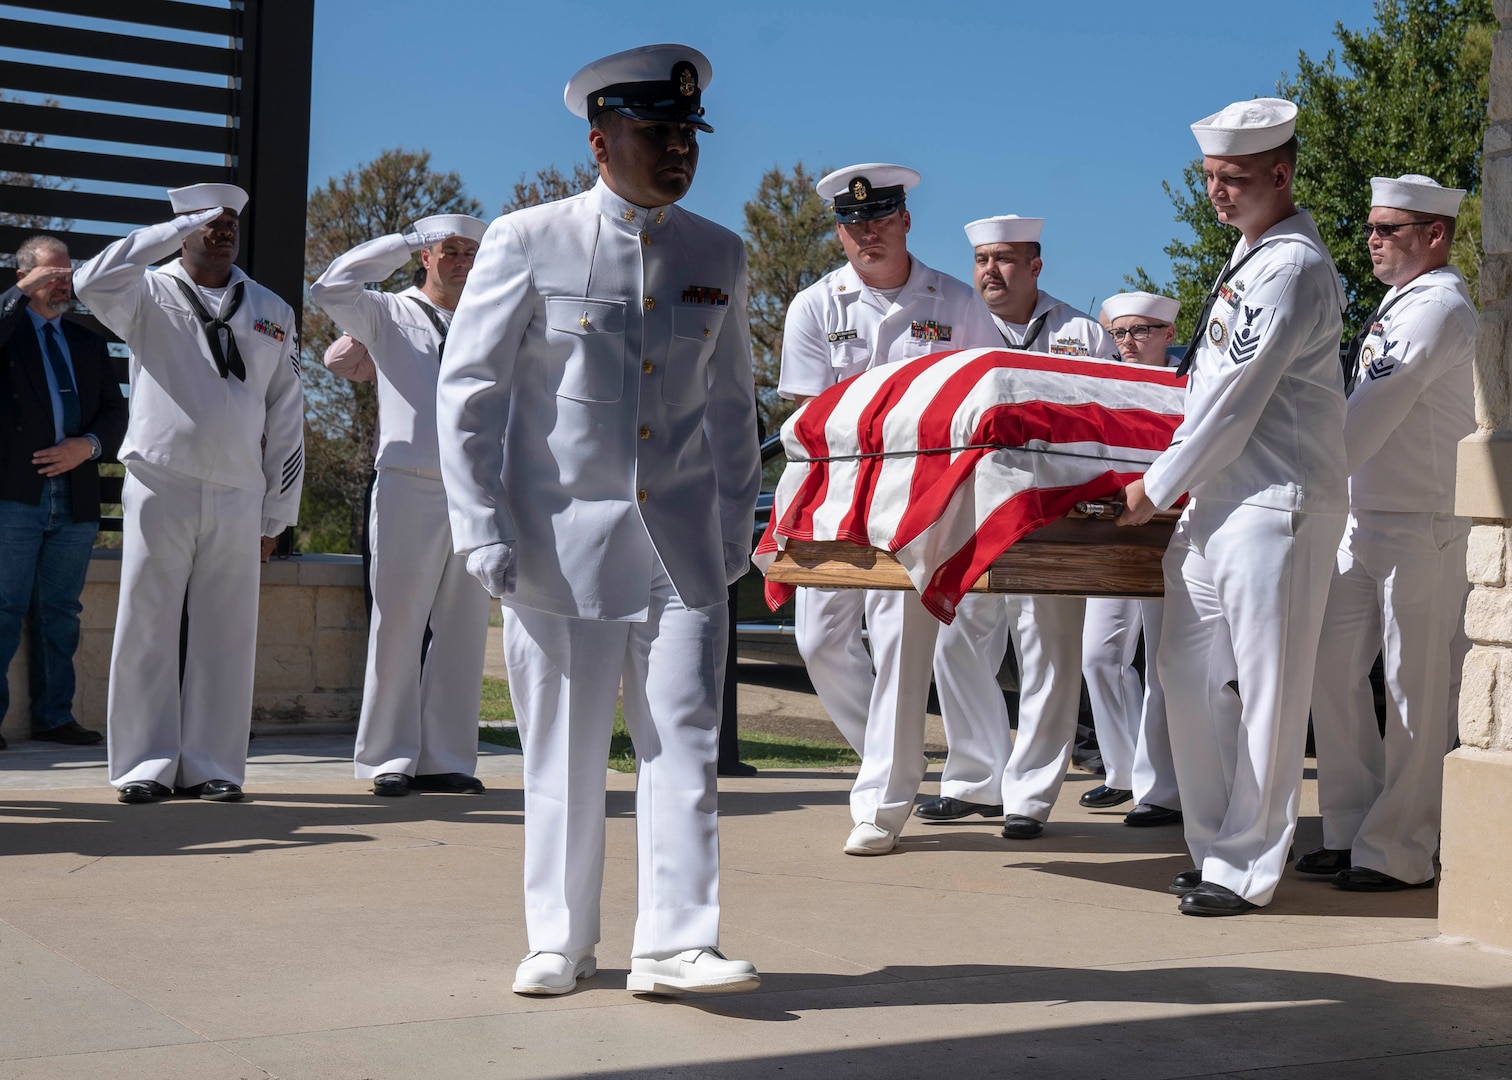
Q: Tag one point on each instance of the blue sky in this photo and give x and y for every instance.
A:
(1074, 112)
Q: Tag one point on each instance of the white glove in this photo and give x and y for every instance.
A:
(737, 560)
(187, 223)
(494, 566)
(418, 240)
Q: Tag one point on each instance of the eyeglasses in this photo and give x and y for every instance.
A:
(1140, 332)
(1387, 229)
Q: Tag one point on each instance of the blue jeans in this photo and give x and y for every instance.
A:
(44, 556)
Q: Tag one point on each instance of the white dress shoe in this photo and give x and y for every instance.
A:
(554, 972)
(693, 971)
(869, 839)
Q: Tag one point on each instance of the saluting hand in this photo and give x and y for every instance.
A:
(66, 456)
(40, 280)
(1138, 508)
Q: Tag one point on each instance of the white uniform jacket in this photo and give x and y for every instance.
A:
(837, 327)
(1265, 405)
(184, 416)
(1415, 398)
(403, 342)
(597, 390)
(1065, 332)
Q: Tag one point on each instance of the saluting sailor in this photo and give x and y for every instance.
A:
(214, 457)
(419, 724)
(882, 307)
(1131, 720)
(1261, 451)
(598, 420)
(1399, 582)
(987, 771)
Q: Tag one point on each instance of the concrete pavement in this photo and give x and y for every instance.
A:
(318, 932)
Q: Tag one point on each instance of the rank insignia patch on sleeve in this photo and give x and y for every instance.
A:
(1247, 340)
(1381, 366)
(705, 294)
(930, 331)
(270, 328)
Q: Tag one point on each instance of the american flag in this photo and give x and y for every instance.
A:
(947, 460)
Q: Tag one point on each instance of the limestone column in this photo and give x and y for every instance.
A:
(1476, 896)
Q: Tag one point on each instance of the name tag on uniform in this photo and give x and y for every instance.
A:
(930, 331)
(841, 335)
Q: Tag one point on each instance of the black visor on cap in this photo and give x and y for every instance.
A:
(862, 202)
(675, 100)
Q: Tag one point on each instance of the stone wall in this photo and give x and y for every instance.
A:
(311, 646)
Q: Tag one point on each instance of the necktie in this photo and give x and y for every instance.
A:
(1200, 329)
(431, 314)
(1031, 332)
(229, 361)
(67, 393)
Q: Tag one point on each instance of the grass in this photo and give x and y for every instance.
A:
(756, 748)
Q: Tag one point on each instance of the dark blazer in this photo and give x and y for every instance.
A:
(26, 418)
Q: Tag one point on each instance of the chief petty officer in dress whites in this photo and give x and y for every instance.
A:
(214, 458)
(419, 725)
(598, 420)
(882, 307)
(1399, 580)
(1130, 718)
(1261, 452)
(987, 772)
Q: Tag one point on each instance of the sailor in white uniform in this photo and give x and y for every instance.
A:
(882, 307)
(214, 458)
(419, 723)
(598, 442)
(1261, 452)
(987, 770)
(1130, 718)
(1399, 583)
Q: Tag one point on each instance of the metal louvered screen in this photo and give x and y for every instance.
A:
(120, 99)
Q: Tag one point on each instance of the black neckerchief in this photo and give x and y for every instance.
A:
(1031, 332)
(1356, 343)
(435, 317)
(230, 361)
(1207, 309)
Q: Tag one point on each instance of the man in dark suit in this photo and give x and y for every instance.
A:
(61, 410)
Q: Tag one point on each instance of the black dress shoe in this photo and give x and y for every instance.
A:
(1323, 860)
(735, 768)
(1104, 796)
(391, 784)
(3, 743)
(1211, 900)
(947, 809)
(69, 734)
(1148, 815)
(1363, 879)
(211, 791)
(1185, 882)
(1019, 827)
(142, 791)
(450, 783)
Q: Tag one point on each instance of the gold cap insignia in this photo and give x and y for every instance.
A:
(860, 189)
(686, 78)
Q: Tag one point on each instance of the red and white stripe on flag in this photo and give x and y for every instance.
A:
(947, 460)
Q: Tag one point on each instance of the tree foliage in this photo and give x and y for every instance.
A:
(551, 184)
(377, 198)
(1406, 95)
(790, 244)
(31, 180)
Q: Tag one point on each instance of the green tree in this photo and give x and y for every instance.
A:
(551, 184)
(377, 198)
(1406, 95)
(790, 244)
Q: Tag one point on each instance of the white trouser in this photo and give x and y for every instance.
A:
(902, 633)
(564, 675)
(415, 720)
(968, 654)
(827, 628)
(184, 536)
(1047, 636)
(1154, 770)
(1398, 587)
(1245, 589)
(1130, 717)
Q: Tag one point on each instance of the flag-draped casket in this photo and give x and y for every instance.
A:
(947, 461)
